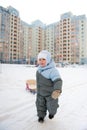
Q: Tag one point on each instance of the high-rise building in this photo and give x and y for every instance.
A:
(82, 38)
(49, 39)
(66, 42)
(4, 35)
(38, 39)
(20, 42)
(26, 39)
(10, 34)
(14, 35)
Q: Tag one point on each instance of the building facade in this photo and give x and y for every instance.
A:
(20, 42)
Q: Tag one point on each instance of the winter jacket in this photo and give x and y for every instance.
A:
(48, 80)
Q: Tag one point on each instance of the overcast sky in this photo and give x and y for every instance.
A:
(48, 11)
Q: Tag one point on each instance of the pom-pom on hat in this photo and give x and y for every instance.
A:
(46, 55)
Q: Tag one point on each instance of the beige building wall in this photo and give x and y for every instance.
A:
(38, 39)
(82, 23)
(4, 35)
(66, 39)
(49, 39)
(26, 39)
(14, 38)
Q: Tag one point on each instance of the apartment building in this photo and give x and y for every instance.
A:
(26, 39)
(49, 39)
(21, 42)
(66, 42)
(38, 39)
(82, 25)
(14, 35)
(4, 35)
(10, 44)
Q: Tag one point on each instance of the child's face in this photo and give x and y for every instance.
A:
(42, 62)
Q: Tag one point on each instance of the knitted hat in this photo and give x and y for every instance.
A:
(46, 55)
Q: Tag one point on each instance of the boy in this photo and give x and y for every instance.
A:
(49, 86)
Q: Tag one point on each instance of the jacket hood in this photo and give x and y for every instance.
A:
(46, 55)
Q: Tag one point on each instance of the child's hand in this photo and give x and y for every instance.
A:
(56, 94)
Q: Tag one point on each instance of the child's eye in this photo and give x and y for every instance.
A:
(42, 59)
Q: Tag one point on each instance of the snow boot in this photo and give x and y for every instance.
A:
(51, 116)
(41, 119)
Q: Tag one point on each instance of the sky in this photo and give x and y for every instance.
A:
(17, 106)
(47, 11)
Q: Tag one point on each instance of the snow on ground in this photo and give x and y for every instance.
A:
(17, 106)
